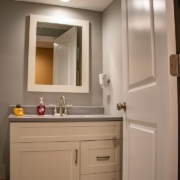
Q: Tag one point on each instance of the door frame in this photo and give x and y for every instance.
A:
(177, 32)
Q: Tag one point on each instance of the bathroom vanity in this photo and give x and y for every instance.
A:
(74, 147)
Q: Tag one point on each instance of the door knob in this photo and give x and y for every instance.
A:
(121, 106)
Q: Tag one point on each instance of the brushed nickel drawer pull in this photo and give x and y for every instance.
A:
(76, 159)
(102, 157)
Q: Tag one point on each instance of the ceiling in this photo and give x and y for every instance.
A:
(95, 5)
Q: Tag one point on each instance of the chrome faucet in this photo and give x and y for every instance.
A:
(61, 102)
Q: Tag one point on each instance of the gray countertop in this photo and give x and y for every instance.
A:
(68, 118)
(76, 114)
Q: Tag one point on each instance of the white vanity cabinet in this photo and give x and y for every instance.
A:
(66, 151)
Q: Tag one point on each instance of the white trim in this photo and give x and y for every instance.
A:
(172, 124)
(46, 38)
(32, 54)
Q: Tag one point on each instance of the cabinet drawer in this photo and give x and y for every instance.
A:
(103, 176)
(101, 156)
(53, 132)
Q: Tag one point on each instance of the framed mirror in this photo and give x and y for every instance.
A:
(58, 57)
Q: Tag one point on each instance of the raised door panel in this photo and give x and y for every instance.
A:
(103, 176)
(101, 156)
(141, 45)
(142, 150)
(44, 161)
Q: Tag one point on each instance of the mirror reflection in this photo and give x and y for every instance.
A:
(58, 54)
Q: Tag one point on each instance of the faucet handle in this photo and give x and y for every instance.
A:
(55, 110)
(65, 110)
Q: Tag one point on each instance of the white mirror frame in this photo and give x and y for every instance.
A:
(31, 86)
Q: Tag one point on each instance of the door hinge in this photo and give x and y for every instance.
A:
(175, 65)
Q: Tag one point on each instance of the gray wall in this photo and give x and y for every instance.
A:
(13, 63)
(112, 56)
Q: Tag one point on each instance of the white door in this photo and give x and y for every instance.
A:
(150, 133)
(45, 161)
(65, 55)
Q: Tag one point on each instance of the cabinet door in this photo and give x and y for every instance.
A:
(45, 161)
(101, 156)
